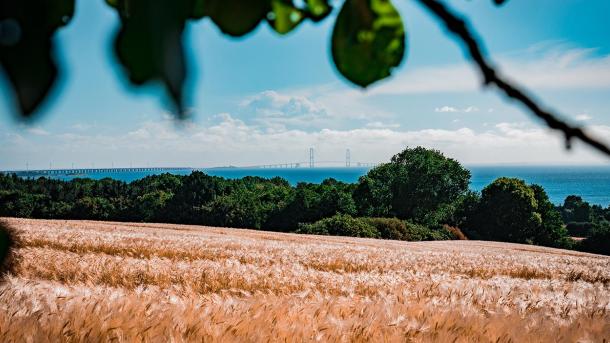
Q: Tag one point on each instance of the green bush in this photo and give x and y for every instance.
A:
(340, 225)
(402, 230)
(598, 241)
(389, 228)
(579, 229)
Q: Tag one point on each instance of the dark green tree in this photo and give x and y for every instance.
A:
(575, 209)
(197, 190)
(414, 184)
(551, 231)
(508, 212)
(512, 211)
(598, 241)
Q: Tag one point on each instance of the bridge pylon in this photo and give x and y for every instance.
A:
(311, 160)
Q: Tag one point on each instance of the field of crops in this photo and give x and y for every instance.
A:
(89, 281)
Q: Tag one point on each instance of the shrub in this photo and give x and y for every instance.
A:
(456, 233)
(389, 228)
(598, 241)
(340, 225)
(394, 228)
(579, 229)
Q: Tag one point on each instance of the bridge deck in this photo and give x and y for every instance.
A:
(43, 172)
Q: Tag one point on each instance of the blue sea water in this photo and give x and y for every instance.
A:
(592, 183)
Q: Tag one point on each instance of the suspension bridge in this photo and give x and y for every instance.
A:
(89, 171)
(311, 163)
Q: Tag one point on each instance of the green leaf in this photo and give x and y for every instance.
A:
(149, 43)
(368, 40)
(26, 47)
(284, 17)
(318, 9)
(236, 17)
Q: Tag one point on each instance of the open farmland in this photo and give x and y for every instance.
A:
(84, 281)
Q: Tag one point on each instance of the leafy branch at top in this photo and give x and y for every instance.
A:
(368, 42)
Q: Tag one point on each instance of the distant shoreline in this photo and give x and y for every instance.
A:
(590, 182)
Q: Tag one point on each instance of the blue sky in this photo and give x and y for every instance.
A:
(267, 98)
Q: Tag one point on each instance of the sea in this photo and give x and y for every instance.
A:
(592, 183)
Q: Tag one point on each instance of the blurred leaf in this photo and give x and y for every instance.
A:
(368, 40)
(26, 47)
(113, 3)
(149, 43)
(235, 17)
(284, 17)
(318, 9)
(7, 243)
(500, 2)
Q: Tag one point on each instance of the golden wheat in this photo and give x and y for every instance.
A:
(102, 281)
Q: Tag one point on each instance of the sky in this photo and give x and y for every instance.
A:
(266, 98)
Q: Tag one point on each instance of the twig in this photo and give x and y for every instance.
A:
(461, 30)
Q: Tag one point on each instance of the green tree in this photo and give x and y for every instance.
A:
(97, 208)
(197, 190)
(150, 206)
(311, 202)
(414, 184)
(575, 209)
(512, 211)
(598, 241)
(508, 212)
(552, 231)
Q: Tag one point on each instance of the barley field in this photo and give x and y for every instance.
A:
(89, 281)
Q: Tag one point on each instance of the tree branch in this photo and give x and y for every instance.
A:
(459, 27)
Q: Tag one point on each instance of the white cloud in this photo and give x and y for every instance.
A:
(446, 109)
(81, 127)
(451, 109)
(277, 111)
(232, 141)
(272, 103)
(36, 130)
(558, 67)
(382, 125)
(583, 117)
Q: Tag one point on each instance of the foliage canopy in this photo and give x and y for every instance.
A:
(414, 184)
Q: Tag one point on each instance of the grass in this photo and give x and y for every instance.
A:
(84, 281)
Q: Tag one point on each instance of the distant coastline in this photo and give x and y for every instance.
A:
(592, 183)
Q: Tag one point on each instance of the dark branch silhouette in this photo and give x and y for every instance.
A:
(461, 30)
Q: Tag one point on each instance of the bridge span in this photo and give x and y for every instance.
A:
(86, 171)
(306, 164)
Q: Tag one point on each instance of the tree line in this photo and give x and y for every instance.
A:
(419, 195)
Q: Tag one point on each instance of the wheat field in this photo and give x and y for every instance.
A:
(89, 281)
